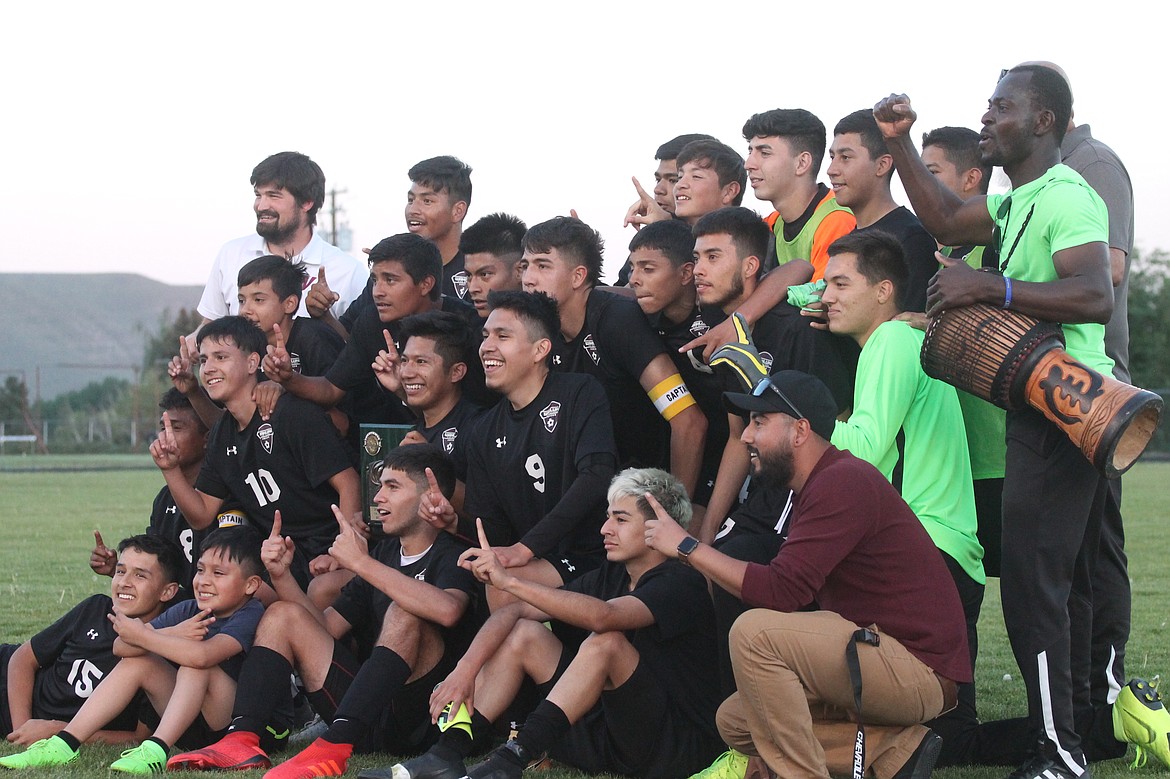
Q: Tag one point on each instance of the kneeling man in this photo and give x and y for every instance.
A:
(881, 587)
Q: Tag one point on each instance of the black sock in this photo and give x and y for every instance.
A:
(542, 728)
(456, 743)
(264, 679)
(69, 739)
(165, 746)
(376, 682)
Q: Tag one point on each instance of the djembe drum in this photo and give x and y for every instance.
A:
(1014, 361)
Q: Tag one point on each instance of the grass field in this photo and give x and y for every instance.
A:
(48, 514)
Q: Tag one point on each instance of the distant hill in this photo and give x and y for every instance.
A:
(79, 328)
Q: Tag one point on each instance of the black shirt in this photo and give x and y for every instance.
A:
(679, 648)
(364, 606)
(313, 346)
(74, 654)
(284, 463)
(919, 247)
(615, 345)
(166, 521)
(520, 464)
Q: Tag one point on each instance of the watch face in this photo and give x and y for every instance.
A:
(687, 545)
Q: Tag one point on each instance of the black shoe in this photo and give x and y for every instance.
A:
(428, 765)
(1046, 768)
(507, 762)
(921, 762)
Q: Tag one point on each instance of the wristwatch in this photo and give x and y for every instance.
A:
(685, 547)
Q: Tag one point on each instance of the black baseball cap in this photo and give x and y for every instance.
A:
(795, 393)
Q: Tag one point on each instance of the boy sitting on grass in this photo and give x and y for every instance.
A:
(45, 680)
(186, 661)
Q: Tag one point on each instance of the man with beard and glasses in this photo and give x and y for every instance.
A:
(880, 588)
(290, 189)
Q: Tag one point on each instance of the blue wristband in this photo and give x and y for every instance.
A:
(1007, 292)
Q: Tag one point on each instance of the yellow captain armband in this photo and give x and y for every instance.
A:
(671, 396)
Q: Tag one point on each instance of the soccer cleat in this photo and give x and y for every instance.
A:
(729, 765)
(49, 751)
(321, 758)
(507, 762)
(146, 758)
(1140, 718)
(921, 762)
(239, 750)
(1045, 768)
(428, 765)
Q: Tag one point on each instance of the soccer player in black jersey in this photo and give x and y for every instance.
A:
(190, 435)
(408, 618)
(605, 335)
(438, 352)
(45, 680)
(293, 462)
(405, 270)
(636, 698)
(538, 462)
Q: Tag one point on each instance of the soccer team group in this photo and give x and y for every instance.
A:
(712, 520)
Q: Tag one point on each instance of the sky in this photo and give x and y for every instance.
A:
(130, 129)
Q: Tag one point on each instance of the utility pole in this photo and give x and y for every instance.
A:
(339, 235)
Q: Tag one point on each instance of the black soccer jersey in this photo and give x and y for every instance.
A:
(284, 463)
(679, 648)
(313, 346)
(74, 654)
(446, 431)
(705, 385)
(520, 463)
(615, 345)
(166, 521)
(352, 372)
(364, 606)
(455, 278)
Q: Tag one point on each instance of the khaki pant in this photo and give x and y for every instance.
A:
(794, 707)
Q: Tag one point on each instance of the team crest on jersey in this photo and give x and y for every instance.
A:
(766, 358)
(459, 280)
(591, 349)
(448, 437)
(698, 327)
(265, 436)
(548, 415)
(294, 360)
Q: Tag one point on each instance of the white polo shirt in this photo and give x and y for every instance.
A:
(345, 275)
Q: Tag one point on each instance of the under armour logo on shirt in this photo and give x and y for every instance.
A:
(172, 510)
(556, 359)
(93, 634)
(232, 450)
(501, 442)
(568, 566)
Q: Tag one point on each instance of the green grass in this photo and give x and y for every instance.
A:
(46, 531)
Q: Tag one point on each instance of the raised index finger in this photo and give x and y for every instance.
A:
(483, 542)
(167, 429)
(391, 349)
(432, 483)
(276, 523)
(656, 507)
(97, 536)
(321, 274)
(184, 352)
(638, 186)
(279, 337)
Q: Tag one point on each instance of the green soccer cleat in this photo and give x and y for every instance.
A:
(729, 765)
(1140, 718)
(146, 758)
(41, 754)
